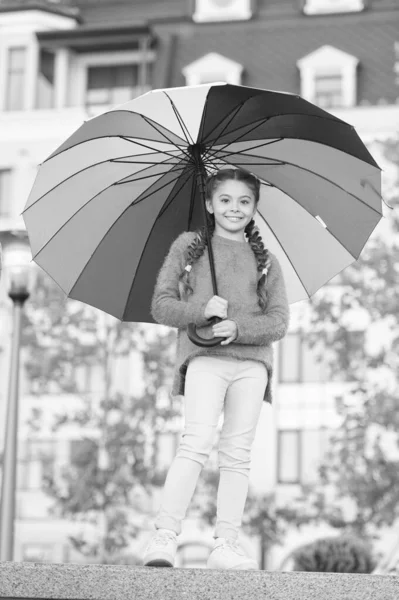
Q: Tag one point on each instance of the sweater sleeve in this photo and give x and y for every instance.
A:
(273, 325)
(167, 308)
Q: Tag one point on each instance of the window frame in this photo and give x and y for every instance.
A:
(111, 82)
(301, 337)
(319, 75)
(8, 74)
(104, 59)
(30, 453)
(280, 433)
(8, 189)
(300, 432)
(297, 337)
(39, 96)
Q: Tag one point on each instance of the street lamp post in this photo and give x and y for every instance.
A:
(18, 277)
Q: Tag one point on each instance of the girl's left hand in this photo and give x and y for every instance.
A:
(227, 329)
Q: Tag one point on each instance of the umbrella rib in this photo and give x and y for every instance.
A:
(190, 171)
(130, 179)
(232, 116)
(107, 136)
(155, 150)
(141, 198)
(82, 207)
(166, 137)
(108, 230)
(258, 124)
(167, 201)
(230, 152)
(81, 171)
(225, 117)
(181, 121)
(294, 114)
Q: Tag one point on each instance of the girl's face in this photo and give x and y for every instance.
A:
(233, 205)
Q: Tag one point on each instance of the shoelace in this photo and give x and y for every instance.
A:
(162, 539)
(232, 545)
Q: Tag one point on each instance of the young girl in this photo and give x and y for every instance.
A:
(235, 375)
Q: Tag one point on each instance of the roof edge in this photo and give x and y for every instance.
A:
(63, 11)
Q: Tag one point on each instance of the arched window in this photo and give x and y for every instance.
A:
(328, 77)
(222, 10)
(211, 68)
(312, 7)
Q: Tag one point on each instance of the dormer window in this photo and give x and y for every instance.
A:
(211, 68)
(222, 10)
(314, 7)
(328, 77)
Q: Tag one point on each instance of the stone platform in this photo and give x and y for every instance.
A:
(108, 582)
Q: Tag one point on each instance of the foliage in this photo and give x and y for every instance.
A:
(357, 324)
(113, 467)
(343, 554)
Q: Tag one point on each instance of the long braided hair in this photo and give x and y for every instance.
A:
(197, 247)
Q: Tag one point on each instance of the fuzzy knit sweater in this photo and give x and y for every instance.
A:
(237, 278)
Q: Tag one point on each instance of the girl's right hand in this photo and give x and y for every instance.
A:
(216, 307)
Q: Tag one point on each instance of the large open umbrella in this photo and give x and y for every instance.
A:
(106, 205)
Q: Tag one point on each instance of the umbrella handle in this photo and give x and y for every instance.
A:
(204, 342)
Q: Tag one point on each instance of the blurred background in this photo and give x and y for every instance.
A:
(97, 428)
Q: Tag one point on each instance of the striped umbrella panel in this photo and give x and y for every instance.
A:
(106, 204)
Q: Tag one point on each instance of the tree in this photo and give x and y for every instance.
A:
(361, 469)
(62, 337)
(114, 492)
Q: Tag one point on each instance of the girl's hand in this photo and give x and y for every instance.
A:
(227, 329)
(216, 307)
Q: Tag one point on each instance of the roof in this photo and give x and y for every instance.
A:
(57, 8)
(95, 37)
(269, 49)
(268, 45)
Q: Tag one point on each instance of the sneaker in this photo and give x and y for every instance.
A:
(228, 554)
(161, 550)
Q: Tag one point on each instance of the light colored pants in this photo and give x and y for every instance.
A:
(211, 383)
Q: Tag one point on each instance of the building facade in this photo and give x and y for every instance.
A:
(62, 62)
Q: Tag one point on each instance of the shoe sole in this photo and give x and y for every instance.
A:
(158, 562)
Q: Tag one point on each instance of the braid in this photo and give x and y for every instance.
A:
(262, 258)
(194, 252)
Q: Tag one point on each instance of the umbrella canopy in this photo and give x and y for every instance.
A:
(107, 204)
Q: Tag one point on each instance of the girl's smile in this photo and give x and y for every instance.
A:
(233, 206)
